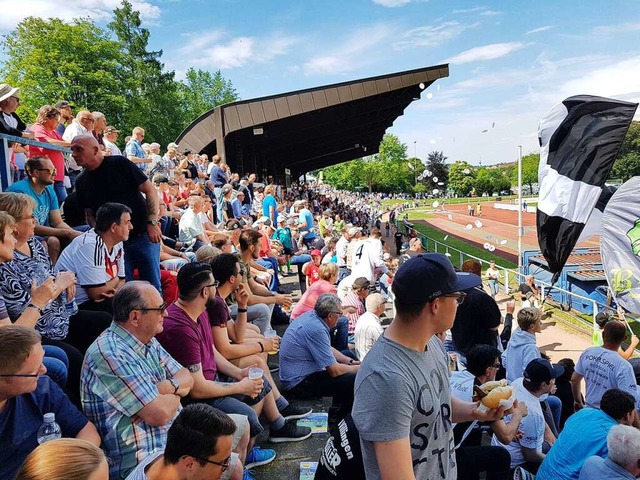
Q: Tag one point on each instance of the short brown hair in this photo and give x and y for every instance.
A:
(614, 332)
(328, 270)
(527, 317)
(472, 266)
(16, 343)
(219, 240)
(248, 237)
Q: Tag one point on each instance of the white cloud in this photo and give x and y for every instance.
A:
(350, 53)
(65, 10)
(207, 50)
(469, 10)
(486, 52)
(616, 29)
(431, 35)
(539, 29)
(391, 3)
(490, 13)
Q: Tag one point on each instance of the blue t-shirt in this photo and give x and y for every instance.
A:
(307, 216)
(270, 201)
(22, 416)
(573, 447)
(218, 177)
(45, 202)
(597, 468)
(305, 349)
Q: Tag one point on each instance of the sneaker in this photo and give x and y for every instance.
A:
(248, 474)
(273, 367)
(289, 433)
(295, 412)
(258, 456)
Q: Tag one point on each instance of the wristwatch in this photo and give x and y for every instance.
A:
(175, 384)
(152, 222)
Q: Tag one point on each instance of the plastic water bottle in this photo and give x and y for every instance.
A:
(71, 307)
(49, 430)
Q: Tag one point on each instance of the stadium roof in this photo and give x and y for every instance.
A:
(307, 129)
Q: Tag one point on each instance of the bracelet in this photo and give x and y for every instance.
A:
(351, 362)
(40, 311)
(261, 347)
(242, 310)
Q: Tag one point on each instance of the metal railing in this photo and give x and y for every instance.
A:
(5, 155)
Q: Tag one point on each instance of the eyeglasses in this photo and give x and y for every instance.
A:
(161, 308)
(337, 313)
(495, 365)
(24, 375)
(459, 296)
(225, 464)
(87, 119)
(216, 284)
(52, 171)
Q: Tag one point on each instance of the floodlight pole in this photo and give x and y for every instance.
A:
(520, 209)
(415, 170)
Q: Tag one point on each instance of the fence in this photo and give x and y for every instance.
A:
(511, 278)
(6, 176)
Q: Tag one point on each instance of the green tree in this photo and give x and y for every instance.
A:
(436, 164)
(201, 91)
(344, 176)
(529, 171)
(484, 182)
(51, 60)
(151, 94)
(627, 164)
(461, 178)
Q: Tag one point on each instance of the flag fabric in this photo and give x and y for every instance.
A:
(620, 245)
(594, 223)
(579, 140)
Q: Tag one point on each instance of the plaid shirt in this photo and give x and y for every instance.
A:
(353, 300)
(119, 378)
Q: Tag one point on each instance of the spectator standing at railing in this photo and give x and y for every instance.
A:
(66, 116)
(10, 122)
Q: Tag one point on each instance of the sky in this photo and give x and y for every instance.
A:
(509, 61)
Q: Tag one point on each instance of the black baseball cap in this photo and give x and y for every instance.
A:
(64, 104)
(541, 370)
(427, 276)
(232, 224)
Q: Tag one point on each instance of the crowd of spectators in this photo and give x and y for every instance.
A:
(138, 298)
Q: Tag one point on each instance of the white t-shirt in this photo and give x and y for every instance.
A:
(367, 331)
(94, 266)
(344, 287)
(73, 130)
(461, 383)
(531, 426)
(602, 370)
(112, 146)
(190, 226)
(367, 255)
(341, 251)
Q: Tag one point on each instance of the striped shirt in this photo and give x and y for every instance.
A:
(119, 378)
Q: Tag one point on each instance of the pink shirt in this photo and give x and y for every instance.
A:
(41, 134)
(309, 298)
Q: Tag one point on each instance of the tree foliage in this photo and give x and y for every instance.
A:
(529, 171)
(462, 178)
(107, 70)
(627, 164)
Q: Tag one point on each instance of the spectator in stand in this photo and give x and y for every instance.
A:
(44, 130)
(10, 122)
(201, 444)
(353, 303)
(109, 139)
(97, 258)
(527, 287)
(270, 205)
(326, 284)
(219, 179)
(134, 150)
(368, 259)
(26, 394)
(312, 269)
(99, 125)
(190, 226)
(131, 387)
(82, 125)
(493, 276)
(112, 179)
(309, 365)
(341, 253)
(478, 318)
(585, 434)
(565, 391)
(623, 461)
(227, 209)
(65, 459)
(527, 450)
(170, 158)
(216, 381)
(602, 319)
(368, 327)
(305, 224)
(617, 374)
(39, 186)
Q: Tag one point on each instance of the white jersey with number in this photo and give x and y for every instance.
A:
(367, 255)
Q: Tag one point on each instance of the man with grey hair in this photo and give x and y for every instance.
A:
(309, 364)
(99, 126)
(82, 125)
(368, 327)
(623, 459)
(130, 386)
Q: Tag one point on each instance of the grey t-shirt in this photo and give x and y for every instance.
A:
(403, 393)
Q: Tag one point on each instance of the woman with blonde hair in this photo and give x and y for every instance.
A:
(65, 459)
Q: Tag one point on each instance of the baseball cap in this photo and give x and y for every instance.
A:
(360, 282)
(541, 370)
(354, 230)
(427, 276)
(232, 224)
(111, 129)
(160, 178)
(262, 220)
(63, 104)
(316, 253)
(173, 146)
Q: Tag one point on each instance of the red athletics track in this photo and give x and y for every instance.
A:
(497, 225)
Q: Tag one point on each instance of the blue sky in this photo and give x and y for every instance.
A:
(510, 61)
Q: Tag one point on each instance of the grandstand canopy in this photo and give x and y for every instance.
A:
(307, 129)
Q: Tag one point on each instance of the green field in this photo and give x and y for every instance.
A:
(455, 201)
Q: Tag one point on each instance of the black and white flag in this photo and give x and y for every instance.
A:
(579, 140)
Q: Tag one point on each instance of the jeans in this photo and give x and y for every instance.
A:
(57, 364)
(61, 192)
(300, 260)
(174, 264)
(494, 286)
(270, 262)
(555, 405)
(340, 338)
(141, 253)
(218, 193)
(233, 405)
(75, 359)
(258, 314)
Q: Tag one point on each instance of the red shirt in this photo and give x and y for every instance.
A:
(313, 272)
(41, 134)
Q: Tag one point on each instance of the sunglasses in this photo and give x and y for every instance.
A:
(87, 119)
(23, 375)
(216, 284)
(52, 171)
(161, 308)
(225, 464)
